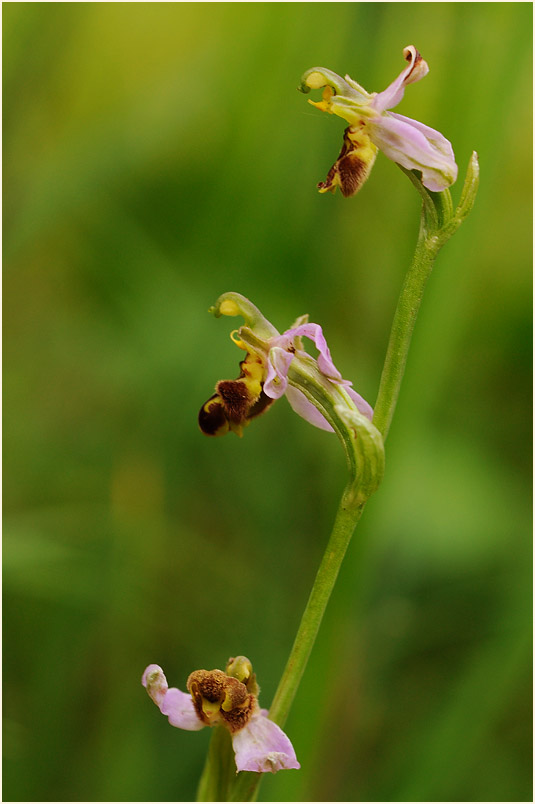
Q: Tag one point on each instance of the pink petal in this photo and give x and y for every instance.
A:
(405, 141)
(263, 747)
(315, 333)
(416, 70)
(277, 371)
(306, 409)
(179, 708)
(279, 363)
(155, 682)
(177, 705)
(361, 403)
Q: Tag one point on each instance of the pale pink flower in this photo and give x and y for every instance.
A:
(373, 126)
(259, 744)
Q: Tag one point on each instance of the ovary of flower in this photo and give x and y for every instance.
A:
(218, 698)
(371, 126)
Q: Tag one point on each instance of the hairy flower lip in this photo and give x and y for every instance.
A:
(259, 744)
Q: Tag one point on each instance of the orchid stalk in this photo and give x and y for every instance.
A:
(277, 364)
(439, 221)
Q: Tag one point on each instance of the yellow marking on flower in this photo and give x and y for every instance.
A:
(235, 338)
(324, 105)
(234, 698)
(213, 420)
(210, 708)
(253, 371)
(237, 401)
(315, 81)
(229, 307)
(354, 163)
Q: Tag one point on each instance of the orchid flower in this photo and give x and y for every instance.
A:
(371, 126)
(228, 699)
(277, 365)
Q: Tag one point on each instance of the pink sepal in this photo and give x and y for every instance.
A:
(416, 147)
(361, 403)
(300, 404)
(393, 94)
(176, 705)
(263, 747)
(315, 333)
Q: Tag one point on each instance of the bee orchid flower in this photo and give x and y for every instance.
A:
(227, 699)
(277, 365)
(372, 126)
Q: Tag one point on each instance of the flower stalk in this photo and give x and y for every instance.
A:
(219, 769)
(349, 513)
(439, 221)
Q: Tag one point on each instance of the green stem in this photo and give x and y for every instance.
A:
(438, 223)
(349, 513)
(402, 328)
(219, 769)
(346, 519)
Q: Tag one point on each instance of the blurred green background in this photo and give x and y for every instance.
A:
(155, 156)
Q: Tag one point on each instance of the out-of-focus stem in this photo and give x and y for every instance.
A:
(401, 333)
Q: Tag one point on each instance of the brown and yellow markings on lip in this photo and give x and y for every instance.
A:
(236, 402)
(353, 165)
(220, 698)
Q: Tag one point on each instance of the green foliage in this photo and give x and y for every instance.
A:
(157, 155)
